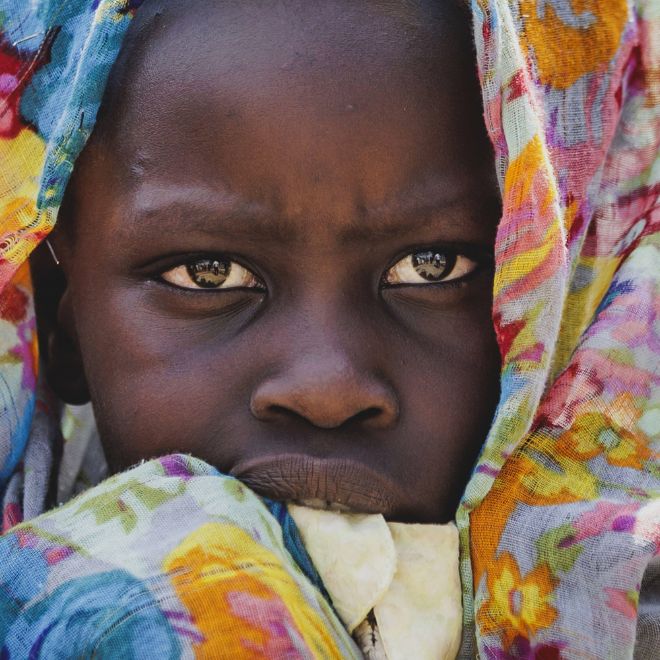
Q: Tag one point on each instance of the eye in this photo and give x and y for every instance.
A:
(213, 273)
(429, 267)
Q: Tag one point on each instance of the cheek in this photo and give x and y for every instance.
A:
(448, 378)
(448, 340)
(161, 384)
(451, 394)
(453, 379)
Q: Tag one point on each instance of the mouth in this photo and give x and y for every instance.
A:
(321, 483)
(325, 505)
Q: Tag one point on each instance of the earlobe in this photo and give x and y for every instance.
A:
(58, 340)
(64, 367)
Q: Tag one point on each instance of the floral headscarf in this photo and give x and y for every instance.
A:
(561, 518)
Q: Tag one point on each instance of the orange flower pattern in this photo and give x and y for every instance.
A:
(517, 606)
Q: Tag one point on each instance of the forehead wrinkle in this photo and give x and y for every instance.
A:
(449, 206)
(199, 210)
(455, 222)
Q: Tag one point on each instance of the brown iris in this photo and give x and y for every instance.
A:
(433, 266)
(209, 273)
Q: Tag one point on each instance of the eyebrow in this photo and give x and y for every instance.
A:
(455, 215)
(201, 210)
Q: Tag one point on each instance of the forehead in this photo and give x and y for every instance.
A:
(298, 104)
(315, 37)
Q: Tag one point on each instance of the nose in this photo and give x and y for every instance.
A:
(327, 391)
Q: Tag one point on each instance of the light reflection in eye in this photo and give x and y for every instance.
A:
(213, 273)
(429, 267)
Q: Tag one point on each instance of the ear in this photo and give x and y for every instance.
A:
(58, 340)
(64, 367)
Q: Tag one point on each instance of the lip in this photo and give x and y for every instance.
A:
(301, 478)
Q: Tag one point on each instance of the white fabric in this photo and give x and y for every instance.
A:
(404, 576)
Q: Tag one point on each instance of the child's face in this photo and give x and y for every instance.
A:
(240, 278)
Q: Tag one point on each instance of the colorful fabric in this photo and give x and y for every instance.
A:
(561, 518)
(97, 577)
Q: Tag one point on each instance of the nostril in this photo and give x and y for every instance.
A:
(372, 416)
(283, 413)
(365, 415)
(279, 410)
(276, 411)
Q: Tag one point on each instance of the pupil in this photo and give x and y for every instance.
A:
(209, 273)
(432, 266)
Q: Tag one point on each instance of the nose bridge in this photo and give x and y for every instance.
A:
(336, 331)
(330, 342)
(329, 324)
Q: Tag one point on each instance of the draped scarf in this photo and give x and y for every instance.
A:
(560, 521)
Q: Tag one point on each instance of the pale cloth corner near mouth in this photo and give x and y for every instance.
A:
(406, 573)
(353, 553)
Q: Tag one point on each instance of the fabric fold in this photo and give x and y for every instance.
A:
(395, 586)
(98, 577)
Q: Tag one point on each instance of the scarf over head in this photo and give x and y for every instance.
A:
(561, 518)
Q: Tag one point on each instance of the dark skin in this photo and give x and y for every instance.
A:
(277, 249)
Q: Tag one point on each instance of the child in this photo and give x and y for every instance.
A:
(277, 253)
